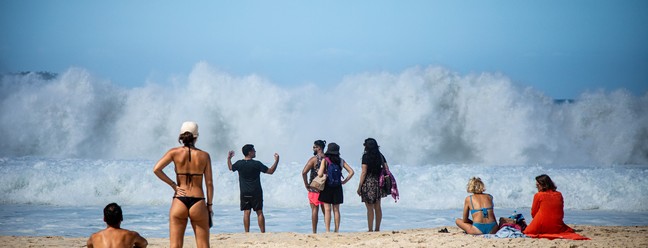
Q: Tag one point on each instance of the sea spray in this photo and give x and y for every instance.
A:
(420, 116)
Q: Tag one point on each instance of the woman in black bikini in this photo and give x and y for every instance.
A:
(191, 166)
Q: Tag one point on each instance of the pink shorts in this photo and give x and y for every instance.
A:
(313, 198)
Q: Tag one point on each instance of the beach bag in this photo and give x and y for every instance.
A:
(393, 190)
(385, 180)
(387, 183)
(519, 220)
(334, 173)
(515, 221)
(319, 182)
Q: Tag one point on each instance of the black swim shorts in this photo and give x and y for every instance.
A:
(251, 202)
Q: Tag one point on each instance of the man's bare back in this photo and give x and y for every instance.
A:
(116, 238)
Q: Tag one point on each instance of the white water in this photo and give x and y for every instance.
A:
(75, 143)
(421, 116)
(83, 182)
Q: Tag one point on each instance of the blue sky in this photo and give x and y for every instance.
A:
(562, 48)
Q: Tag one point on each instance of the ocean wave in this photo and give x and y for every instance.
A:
(96, 182)
(420, 116)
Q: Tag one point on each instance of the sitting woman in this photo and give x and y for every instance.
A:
(547, 209)
(480, 206)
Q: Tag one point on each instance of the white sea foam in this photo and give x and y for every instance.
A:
(84, 182)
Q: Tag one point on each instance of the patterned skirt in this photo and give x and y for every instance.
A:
(370, 192)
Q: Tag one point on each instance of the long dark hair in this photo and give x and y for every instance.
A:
(545, 183)
(335, 158)
(372, 151)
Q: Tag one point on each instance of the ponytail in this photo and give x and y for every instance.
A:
(188, 140)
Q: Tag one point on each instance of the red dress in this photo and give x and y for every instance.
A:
(547, 212)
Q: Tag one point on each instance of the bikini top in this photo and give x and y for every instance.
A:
(189, 176)
(188, 179)
(483, 210)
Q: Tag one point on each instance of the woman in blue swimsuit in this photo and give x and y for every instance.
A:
(480, 206)
(192, 165)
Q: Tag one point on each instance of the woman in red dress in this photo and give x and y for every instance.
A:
(547, 209)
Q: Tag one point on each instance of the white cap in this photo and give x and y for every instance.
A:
(189, 126)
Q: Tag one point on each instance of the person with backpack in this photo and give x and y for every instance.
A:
(332, 195)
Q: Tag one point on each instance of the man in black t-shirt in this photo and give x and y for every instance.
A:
(250, 183)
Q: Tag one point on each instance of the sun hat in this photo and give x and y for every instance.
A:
(333, 149)
(189, 126)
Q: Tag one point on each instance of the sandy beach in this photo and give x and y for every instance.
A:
(601, 236)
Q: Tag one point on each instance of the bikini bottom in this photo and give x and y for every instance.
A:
(189, 201)
(485, 228)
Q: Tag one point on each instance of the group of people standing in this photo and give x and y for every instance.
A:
(192, 165)
(330, 198)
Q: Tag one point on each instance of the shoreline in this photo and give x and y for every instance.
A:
(601, 236)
